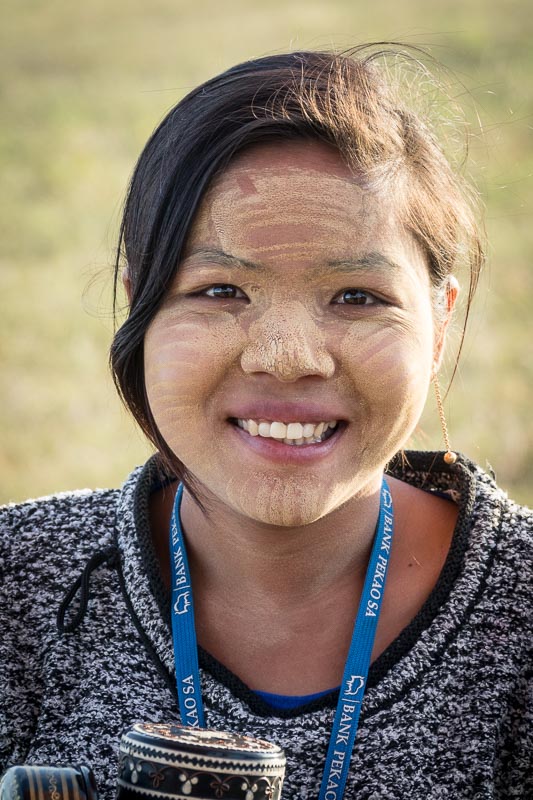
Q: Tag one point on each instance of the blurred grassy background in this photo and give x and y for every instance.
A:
(82, 86)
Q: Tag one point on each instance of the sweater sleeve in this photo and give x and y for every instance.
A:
(514, 770)
(44, 546)
(514, 775)
(21, 657)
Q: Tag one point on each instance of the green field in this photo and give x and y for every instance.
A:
(82, 87)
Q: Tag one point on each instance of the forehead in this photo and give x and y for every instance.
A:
(297, 154)
(298, 198)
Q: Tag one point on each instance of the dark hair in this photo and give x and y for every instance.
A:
(342, 99)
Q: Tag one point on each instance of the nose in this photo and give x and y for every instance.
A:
(288, 344)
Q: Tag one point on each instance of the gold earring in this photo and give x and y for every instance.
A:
(449, 456)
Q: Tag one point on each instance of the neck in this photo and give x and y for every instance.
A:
(230, 553)
(266, 597)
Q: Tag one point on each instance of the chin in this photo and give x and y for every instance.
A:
(286, 502)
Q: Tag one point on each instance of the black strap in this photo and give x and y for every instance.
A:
(109, 556)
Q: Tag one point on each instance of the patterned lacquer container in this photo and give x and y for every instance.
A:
(162, 761)
(48, 783)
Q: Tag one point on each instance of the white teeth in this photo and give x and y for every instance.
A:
(293, 433)
(278, 430)
(264, 429)
(294, 430)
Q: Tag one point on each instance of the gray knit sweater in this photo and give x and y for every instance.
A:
(446, 711)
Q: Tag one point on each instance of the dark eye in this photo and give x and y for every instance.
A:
(225, 291)
(355, 297)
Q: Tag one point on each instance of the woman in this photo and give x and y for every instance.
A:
(290, 239)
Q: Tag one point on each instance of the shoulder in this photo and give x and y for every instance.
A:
(505, 530)
(50, 538)
(44, 545)
(489, 560)
(30, 528)
(475, 491)
(501, 523)
(478, 623)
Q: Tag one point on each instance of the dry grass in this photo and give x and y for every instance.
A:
(82, 87)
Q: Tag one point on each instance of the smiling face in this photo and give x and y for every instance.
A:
(291, 357)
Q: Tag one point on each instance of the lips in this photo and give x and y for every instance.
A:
(292, 433)
(280, 430)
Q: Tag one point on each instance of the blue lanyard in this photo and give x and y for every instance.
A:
(183, 629)
(357, 664)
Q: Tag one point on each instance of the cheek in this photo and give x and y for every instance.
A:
(185, 361)
(392, 365)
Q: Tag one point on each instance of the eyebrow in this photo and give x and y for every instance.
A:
(209, 255)
(372, 260)
(367, 261)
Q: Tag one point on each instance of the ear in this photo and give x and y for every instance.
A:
(126, 282)
(451, 294)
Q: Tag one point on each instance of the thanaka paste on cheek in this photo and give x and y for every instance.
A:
(178, 385)
(392, 384)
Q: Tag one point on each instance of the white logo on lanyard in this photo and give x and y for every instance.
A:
(354, 684)
(183, 602)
